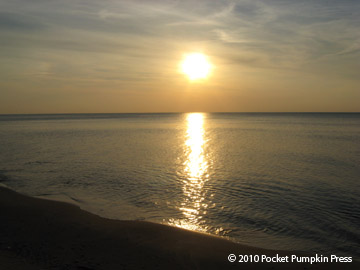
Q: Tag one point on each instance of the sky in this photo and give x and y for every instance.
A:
(113, 56)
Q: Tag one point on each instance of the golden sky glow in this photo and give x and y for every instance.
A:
(123, 56)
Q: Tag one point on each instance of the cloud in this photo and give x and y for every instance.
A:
(19, 22)
(271, 34)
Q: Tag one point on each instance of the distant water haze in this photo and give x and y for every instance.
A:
(281, 181)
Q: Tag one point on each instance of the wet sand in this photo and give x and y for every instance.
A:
(43, 234)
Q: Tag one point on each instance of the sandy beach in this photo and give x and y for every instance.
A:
(42, 234)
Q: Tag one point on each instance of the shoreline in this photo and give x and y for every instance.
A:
(43, 234)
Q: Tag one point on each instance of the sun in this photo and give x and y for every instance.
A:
(196, 66)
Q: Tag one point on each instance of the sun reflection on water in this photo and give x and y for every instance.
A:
(193, 206)
(196, 164)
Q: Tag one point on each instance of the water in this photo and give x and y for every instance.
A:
(281, 181)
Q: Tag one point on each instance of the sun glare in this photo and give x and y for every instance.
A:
(196, 66)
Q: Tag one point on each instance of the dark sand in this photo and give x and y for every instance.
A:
(43, 234)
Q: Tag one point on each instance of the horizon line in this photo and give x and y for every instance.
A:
(66, 113)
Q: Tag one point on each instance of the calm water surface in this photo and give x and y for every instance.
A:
(285, 181)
